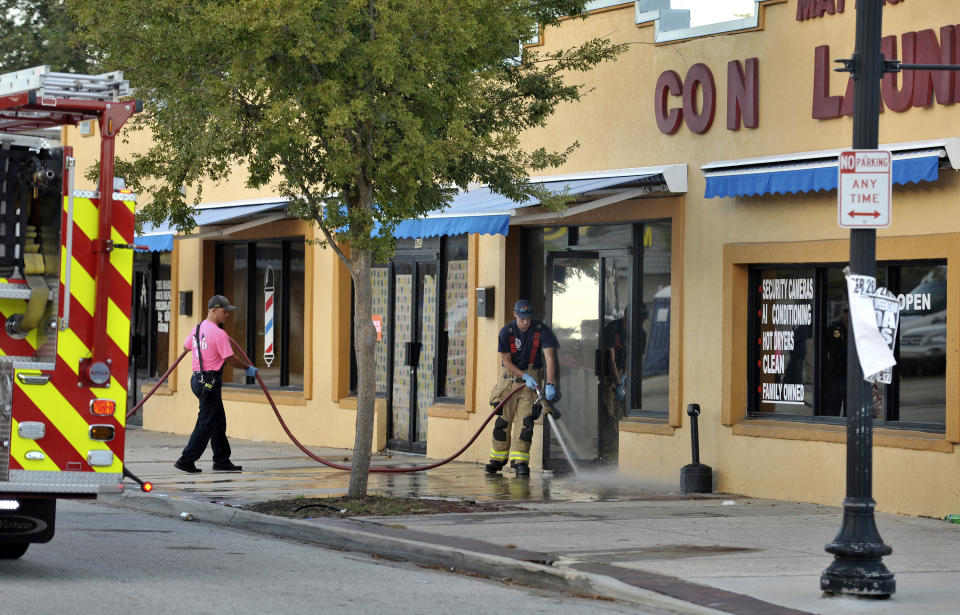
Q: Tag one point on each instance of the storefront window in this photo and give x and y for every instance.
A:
(410, 304)
(654, 315)
(455, 317)
(380, 277)
(269, 295)
(150, 335)
(799, 338)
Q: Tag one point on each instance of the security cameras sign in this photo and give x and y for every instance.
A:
(863, 189)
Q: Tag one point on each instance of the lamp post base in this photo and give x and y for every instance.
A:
(858, 577)
(858, 569)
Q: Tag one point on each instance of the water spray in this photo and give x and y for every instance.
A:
(552, 417)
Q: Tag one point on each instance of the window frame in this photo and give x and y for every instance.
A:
(152, 264)
(889, 274)
(249, 304)
(431, 250)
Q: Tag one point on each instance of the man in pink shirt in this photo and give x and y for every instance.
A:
(214, 349)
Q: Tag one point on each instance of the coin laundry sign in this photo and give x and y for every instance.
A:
(863, 189)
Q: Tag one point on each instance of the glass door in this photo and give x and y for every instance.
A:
(141, 347)
(574, 307)
(616, 356)
(414, 353)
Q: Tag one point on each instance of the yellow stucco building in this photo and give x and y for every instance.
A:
(700, 255)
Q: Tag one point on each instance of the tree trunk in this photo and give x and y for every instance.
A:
(365, 343)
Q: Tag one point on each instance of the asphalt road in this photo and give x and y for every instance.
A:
(109, 561)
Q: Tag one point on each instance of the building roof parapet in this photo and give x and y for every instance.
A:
(671, 25)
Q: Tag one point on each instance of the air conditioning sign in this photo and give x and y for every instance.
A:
(864, 189)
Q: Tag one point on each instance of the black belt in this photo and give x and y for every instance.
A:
(512, 379)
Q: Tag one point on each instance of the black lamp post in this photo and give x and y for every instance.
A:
(858, 567)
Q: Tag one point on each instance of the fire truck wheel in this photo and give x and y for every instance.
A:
(13, 550)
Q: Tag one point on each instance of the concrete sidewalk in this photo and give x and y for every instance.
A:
(601, 534)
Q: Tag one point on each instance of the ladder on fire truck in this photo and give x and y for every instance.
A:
(46, 84)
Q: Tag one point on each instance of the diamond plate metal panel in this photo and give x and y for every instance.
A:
(6, 414)
(30, 481)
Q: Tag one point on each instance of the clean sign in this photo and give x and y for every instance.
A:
(863, 190)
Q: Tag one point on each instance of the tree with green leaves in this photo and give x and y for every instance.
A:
(37, 32)
(363, 112)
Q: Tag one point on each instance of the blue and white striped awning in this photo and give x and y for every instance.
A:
(478, 210)
(482, 211)
(812, 171)
(160, 238)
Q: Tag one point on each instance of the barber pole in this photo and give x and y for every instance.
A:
(268, 290)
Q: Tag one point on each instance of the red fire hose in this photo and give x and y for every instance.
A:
(306, 451)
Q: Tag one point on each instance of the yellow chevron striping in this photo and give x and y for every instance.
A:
(65, 419)
(83, 288)
(71, 349)
(122, 260)
(19, 447)
(85, 217)
(118, 325)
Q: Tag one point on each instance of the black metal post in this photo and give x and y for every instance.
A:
(695, 477)
(858, 567)
(694, 411)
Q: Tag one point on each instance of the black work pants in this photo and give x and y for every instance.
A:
(211, 426)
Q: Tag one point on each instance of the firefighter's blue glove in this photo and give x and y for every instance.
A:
(550, 391)
(531, 381)
(620, 392)
(623, 379)
(252, 371)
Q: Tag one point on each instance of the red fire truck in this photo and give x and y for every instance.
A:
(66, 262)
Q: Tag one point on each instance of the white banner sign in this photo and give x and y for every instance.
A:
(875, 315)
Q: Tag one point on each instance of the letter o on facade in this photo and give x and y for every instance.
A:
(668, 120)
(699, 76)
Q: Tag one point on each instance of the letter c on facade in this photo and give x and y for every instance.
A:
(668, 120)
(699, 77)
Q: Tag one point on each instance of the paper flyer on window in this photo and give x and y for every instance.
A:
(875, 315)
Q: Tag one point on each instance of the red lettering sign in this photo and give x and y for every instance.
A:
(742, 94)
(700, 78)
(668, 120)
(824, 105)
(899, 91)
(811, 9)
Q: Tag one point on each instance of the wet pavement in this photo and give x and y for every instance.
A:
(600, 534)
(273, 470)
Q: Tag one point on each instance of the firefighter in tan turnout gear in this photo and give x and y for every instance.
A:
(525, 345)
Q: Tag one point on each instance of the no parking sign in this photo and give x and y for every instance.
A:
(864, 188)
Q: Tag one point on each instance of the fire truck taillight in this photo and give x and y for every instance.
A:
(103, 433)
(103, 407)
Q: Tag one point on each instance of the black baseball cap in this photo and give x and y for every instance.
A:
(219, 301)
(523, 308)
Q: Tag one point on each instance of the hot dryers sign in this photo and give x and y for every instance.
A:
(863, 189)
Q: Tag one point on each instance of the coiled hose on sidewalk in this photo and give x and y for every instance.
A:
(305, 450)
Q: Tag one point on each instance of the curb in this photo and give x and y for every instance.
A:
(338, 535)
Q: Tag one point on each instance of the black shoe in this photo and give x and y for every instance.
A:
(494, 466)
(523, 470)
(227, 467)
(185, 466)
